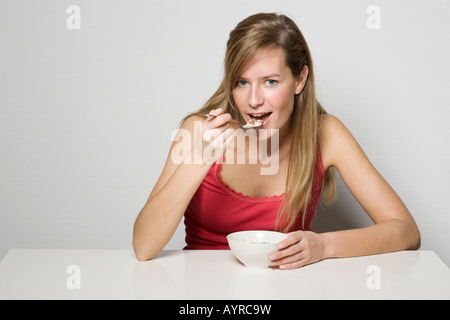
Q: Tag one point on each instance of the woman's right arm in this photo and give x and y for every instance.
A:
(178, 182)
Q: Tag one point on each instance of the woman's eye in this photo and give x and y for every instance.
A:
(271, 82)
(241, 83)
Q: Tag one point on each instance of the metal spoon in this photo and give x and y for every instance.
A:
(248, 125)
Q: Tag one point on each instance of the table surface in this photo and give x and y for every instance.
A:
(216, 274)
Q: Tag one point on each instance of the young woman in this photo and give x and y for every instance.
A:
(269, 77)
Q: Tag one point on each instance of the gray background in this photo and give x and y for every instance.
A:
(87, 115)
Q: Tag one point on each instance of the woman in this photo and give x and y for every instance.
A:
(269, 77)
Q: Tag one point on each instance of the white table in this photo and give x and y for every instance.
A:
(205, 274)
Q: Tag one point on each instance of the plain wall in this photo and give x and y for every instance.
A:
(86, 115)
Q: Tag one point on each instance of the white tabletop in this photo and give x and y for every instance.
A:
(210, 274)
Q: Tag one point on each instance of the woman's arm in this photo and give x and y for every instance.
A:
(394, 228)
(178, 182)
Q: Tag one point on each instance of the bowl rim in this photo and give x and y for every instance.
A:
(230, 235)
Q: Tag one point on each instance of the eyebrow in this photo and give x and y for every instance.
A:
(272, 75)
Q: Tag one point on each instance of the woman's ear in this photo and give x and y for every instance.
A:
(301, 80)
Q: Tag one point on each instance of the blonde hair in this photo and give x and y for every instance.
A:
(265, 31)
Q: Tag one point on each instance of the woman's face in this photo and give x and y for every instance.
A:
(266, 89)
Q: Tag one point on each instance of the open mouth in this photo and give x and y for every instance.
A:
(263, 116)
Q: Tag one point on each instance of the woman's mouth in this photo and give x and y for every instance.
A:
(263, 116)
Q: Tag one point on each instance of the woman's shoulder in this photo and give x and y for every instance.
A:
(329, 122)
(330, 128)
(189, 124)
(333, 137)
(190, 121)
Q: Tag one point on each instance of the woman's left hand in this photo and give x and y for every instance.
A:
(297, 250)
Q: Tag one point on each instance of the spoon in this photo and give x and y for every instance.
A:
(249, 125)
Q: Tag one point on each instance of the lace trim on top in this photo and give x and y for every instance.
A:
(240, 195)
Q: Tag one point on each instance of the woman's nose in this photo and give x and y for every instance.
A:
(256, 98)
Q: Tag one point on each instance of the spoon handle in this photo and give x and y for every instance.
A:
(212, 115)
(245, 126)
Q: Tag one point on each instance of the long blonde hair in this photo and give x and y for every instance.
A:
(269, 31)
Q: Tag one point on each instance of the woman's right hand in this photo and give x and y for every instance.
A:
(179, 180)
(216, 135)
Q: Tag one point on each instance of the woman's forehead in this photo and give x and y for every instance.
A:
(266, 63)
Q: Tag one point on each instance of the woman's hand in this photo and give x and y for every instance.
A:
(297, 250)
(215, 136)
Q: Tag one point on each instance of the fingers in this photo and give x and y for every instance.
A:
(216, 135)
(291, 252)
(218, 119)
(294, 265)
(293, 237)
(215, 127)
(215, 113)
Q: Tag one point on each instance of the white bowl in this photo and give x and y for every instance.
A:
(253, 248)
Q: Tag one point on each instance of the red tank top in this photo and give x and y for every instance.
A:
(216, 210)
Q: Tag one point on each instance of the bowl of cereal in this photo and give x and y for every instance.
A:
(252, 248)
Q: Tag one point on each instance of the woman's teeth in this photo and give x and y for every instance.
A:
(259, 115)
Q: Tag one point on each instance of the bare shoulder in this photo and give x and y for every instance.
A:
(187, 128)
(190, 121)
(330, 126)
(335, 141)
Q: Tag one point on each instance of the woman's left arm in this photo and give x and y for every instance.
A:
(394, 228)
